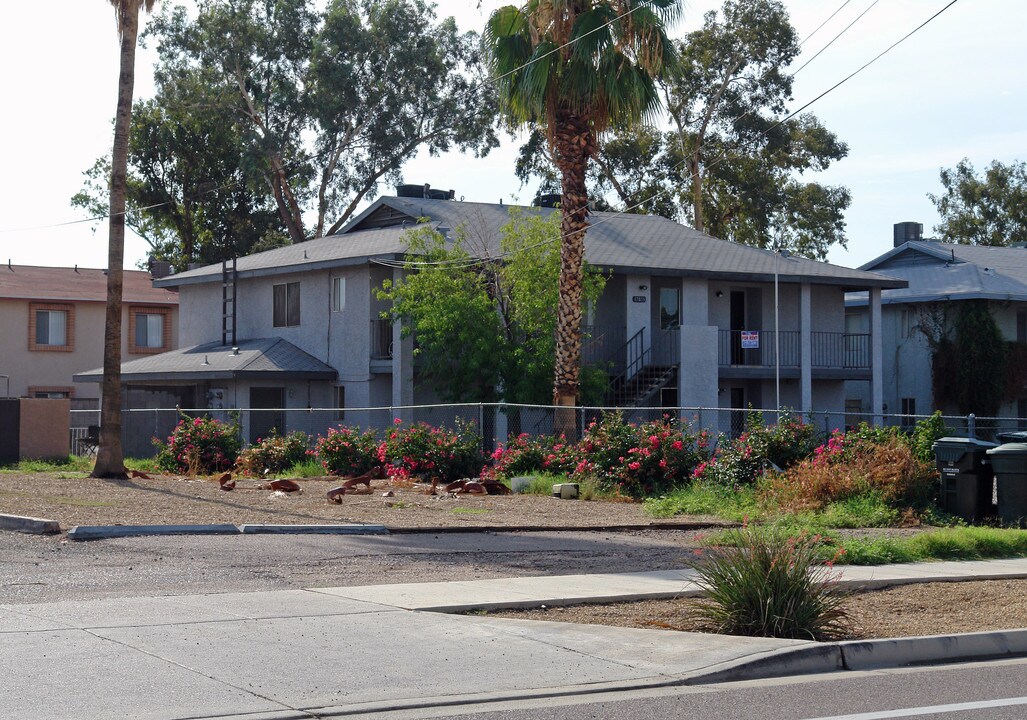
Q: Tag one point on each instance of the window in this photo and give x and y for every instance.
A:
(907, 322)
(670, 315)
(149, 329)
(908, 411)
(51, 327)
(338, 294)
(287, 305)
(51, 393)
(340, 402)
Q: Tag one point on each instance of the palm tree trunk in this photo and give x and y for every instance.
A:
(110, 460)
(573, 145)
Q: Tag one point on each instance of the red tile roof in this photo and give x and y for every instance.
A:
(82, 284)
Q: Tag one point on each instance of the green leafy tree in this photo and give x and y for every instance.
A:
(193, 195)
(577, 69)
(499, 313)
(294, 108)
(728, 165)
(110, 460)
(970, 365)
(983, 210)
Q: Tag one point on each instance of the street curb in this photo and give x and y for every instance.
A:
(264, 529)
(895, 652)
(861, 655)
(100, 532)
(559, 528)
(33, 525)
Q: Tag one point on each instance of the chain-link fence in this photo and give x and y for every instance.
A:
(495, 422)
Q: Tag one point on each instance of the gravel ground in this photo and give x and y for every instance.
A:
(45, 568)
(902, 611)
(75, 499)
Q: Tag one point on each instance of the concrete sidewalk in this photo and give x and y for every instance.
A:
(294, 654)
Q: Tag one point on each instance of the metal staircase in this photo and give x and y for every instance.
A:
(641, 380)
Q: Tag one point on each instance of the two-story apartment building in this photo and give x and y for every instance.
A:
(52, 321)
(940, 276)
(706, 322)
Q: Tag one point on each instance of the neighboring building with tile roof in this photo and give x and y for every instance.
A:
(692, 315)
(938, 274)
(52, 320)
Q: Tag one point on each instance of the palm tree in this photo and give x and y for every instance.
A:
(110, 460)
(577, 68)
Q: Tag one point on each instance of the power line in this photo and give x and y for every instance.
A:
(723, 156)
(314, 156)
(821, 25)
(829, 44)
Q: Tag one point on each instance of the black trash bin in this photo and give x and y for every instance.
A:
(1010, 464)
(967, 479)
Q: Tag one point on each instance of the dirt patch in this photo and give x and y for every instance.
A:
(902, 611)
(76, 499)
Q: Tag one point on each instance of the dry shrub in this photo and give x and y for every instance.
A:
(888, 468)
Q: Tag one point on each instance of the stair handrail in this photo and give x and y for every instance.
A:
(636, 361)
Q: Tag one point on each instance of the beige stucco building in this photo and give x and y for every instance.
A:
(52, 325)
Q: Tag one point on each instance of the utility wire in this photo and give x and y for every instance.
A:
(821, 25)
(313, 156)
(829, 44)
(723, 156)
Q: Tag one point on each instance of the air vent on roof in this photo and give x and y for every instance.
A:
(424, 192)
(158, 268)
(908, 232)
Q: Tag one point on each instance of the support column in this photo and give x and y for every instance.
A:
(806, 349)
(402, 365)
(876, 358)
(699, 371)
(638, 313)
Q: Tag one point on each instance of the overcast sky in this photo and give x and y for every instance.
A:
(955, 89)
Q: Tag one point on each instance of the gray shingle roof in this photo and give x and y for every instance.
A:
(947, 271)
(625, 243)
(268, 358)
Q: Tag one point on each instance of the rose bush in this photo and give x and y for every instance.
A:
(199, 446)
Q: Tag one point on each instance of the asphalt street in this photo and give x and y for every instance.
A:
(974, 691)
(46, 569)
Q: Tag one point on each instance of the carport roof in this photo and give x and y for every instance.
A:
(260, 358)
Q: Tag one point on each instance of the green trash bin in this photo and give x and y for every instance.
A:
(1010, 464)
(967, 479)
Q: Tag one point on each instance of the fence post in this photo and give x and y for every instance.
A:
(971, 426)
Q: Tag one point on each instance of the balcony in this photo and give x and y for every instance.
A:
(832, 354)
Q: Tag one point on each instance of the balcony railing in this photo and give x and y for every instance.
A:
(601, 343)
(828, 349)
(841, 350)
(381, 339)
(734, 347)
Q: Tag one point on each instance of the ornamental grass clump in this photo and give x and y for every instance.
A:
(199, 446)
(769, 584)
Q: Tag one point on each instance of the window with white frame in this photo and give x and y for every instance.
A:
(338, 294)
(52, 328)
(149, 330)
(286, 312)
